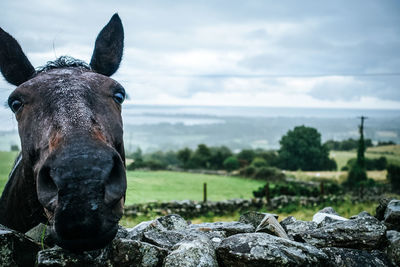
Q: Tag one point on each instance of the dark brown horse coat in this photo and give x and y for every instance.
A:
(71, 170)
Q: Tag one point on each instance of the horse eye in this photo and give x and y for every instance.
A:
(119, 97)
(15, 105)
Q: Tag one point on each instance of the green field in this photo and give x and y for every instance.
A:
(392, 153)
(6, 162)
(145, 186)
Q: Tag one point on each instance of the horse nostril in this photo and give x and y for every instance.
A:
(115, 185)
(46, 189)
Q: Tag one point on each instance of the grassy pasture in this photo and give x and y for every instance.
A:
(392, 153)
(6, 162)
(338, 176)
(145, 186)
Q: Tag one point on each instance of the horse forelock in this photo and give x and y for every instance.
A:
(63, 62)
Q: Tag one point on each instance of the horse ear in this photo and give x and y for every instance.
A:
(14, 65)
(107, 52)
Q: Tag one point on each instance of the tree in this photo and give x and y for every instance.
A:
(271, 157)
(218, 156)
(259, 162)
(231, 163)
(14, 148)
(246, 156)
(137, 157)
(201, 157)
(184, 156)
(301, 148)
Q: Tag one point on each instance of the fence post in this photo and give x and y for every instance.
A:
(267, 194)
(205, 192)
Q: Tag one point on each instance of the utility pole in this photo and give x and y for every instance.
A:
(361, 145)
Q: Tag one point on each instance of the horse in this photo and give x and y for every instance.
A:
(71, 171)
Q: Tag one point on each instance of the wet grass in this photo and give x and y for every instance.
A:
(6, 162)
(147, 186)
(392, 154)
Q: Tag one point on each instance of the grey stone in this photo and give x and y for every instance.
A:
(197, 252)
(360, 215)
(229, 228)
(173, 222)
(136, 233)
(329, 210)
(323, 219)
(254, 218)
(122, 232)
(365, 232)
(296, 228)
(261, 249)
(355, 257)
(380, 210)
(327, 220)
(16, 249)
(392, 215)
(271, 226)
(167, 239)
(125, 252)
(393, 250)
(215, 237)
(57, 256)
(169, 222)
(41, 234)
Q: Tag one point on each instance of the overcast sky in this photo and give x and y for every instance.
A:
(240, 53)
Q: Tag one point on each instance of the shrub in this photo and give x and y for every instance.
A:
(268, 173)
(298, 189)
(259, 162)
(356, 175)
(246, 155)
(248, 171)
(383, 143)
(393, 176)
(346, 145)
(14, 148)
(330, 165)
(131, 167)
(155, 165)
(380, 163)
(370, 164)
(231, 163)
(138, 163)
(271, 157)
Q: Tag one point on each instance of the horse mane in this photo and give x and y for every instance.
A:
(63, 62)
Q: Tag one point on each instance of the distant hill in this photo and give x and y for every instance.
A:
(173, 127)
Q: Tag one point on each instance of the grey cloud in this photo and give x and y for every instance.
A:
(385, 88)
(333, 37)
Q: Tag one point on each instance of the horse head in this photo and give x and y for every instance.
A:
(70, 127)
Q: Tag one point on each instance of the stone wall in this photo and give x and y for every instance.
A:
(191, 209)
(257, 239)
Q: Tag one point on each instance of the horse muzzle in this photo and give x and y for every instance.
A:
(82, 189)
